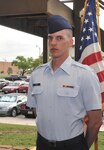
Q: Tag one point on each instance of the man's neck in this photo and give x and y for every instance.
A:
(57, 62)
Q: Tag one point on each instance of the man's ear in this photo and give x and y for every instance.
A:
(71, 42)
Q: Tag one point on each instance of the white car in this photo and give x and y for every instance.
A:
(10, 103)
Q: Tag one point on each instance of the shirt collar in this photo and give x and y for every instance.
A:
(48, 65)
(65, 66)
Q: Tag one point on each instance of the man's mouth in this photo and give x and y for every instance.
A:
(54, 49)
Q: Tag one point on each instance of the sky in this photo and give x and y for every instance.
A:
(15, 43)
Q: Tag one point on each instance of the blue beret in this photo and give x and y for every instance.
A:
(57, 23)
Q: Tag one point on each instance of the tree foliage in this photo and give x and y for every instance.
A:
(26, 64)
(38, 61)
(9, 71)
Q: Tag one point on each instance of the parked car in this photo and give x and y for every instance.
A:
(2, 79)
(27, 79)
(13, 78)
(3, 83)
(27, 111)
(10, 103)
(13, 87)
(23, 77)
(23, 88)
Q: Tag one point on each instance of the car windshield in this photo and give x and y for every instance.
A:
(14, 84)
(7, 98)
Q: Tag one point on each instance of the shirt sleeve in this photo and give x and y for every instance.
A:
(31, 101)
(91, 91)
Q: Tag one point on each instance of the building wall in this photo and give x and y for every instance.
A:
(4, 67)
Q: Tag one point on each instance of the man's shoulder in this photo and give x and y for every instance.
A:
(40, 67)
(81, 66)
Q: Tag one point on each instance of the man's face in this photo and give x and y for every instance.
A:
(59, 43)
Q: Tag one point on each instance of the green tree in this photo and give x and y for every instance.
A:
(2, 72)
(24, 64)
(38, 61)
(9, 71)
(27, 65)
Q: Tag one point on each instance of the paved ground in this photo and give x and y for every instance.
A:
(18, 120)
(102, 127)
(26, 121)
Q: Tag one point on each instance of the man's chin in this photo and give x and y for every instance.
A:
(55, 57)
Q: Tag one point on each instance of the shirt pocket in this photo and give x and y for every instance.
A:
(68, 92)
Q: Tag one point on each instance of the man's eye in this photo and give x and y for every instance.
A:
(59, 38)
(49, 38)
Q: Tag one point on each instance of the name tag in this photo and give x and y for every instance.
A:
(36, 84)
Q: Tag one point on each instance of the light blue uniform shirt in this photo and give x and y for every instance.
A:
(62, 98)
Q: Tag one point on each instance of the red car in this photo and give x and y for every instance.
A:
(13, 87)
(23, 88)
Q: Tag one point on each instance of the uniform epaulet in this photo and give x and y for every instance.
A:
(86, 67)
(40, 66)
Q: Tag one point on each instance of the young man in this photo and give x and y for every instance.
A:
(63, 93)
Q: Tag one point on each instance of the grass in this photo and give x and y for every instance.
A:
(3, 76)
(22, 135)
(100, 142)
(18, 135)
